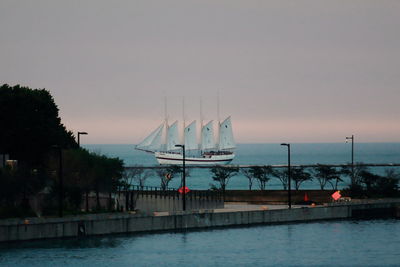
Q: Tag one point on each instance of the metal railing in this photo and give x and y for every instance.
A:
(155, 192)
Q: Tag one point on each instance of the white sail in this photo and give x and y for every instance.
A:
(190, 137)
(156, 144)
(207, 136)
(226, 140)
(173, 137)
(152, 141)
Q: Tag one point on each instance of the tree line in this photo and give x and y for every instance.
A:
(362, 182)
(33, 135)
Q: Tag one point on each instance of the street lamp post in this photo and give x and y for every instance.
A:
(80, 133)
(352, 157)
(289, 176)
(183, 177)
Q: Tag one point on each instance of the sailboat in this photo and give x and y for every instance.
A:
(163, 140)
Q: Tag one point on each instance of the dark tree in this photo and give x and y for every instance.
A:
(222, 175)
(249, 175)
(138, 174)
(388, 185)
(357, 171)
(375, 185)
(282, 176)
(300, 175)
(166, 175)
(30, 125)
(31, 128)
(262, 175)
(16, 186)
(85, 172)
(326, 174)
(369, 179)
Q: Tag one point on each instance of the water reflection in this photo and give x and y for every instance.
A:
(184, 237)
(289, 231)
(343, 242)
(81, 243)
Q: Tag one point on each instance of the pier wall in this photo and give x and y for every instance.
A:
(36, 228)
(277, 196)
(148, 204)
(101, 224)
(145, 200)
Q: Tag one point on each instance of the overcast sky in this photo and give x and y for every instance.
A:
(292, 71)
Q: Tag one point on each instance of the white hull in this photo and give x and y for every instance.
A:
(177, 159)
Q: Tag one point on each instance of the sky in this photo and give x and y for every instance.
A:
(286, 71)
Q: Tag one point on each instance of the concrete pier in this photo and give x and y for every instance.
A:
(232, 215)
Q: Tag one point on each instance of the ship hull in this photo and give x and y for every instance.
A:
(177, 159)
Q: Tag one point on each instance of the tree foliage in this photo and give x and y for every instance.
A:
(17, 185)
(31, 129)
(249, 175)
(222, 175)
(262, 174)
(374, 185)
(354, 172)
(166, 175)
(138, 174)
(83, 172)
(282, 176)
(30, 124)
(326, 174)
(299, 176)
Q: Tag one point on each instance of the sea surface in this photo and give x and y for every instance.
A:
(330, 243)
(266, 154)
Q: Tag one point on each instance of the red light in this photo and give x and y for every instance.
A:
(183, 190)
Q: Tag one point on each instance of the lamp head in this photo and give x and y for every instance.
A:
(82, 133)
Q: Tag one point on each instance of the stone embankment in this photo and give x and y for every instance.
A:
(233, 215)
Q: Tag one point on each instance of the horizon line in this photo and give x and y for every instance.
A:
(257, 143)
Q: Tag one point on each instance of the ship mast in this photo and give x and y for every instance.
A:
(184, 123)
(201, 125)
(219, 122)
(166, 122)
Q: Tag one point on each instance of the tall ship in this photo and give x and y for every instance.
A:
(205, 151)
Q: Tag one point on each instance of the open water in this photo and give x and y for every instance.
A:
(267, 154)
(330, 243)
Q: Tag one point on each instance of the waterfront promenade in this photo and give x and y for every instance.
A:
(233, 214)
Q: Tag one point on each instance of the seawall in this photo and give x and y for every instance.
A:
(277, 196)
(116, 223)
